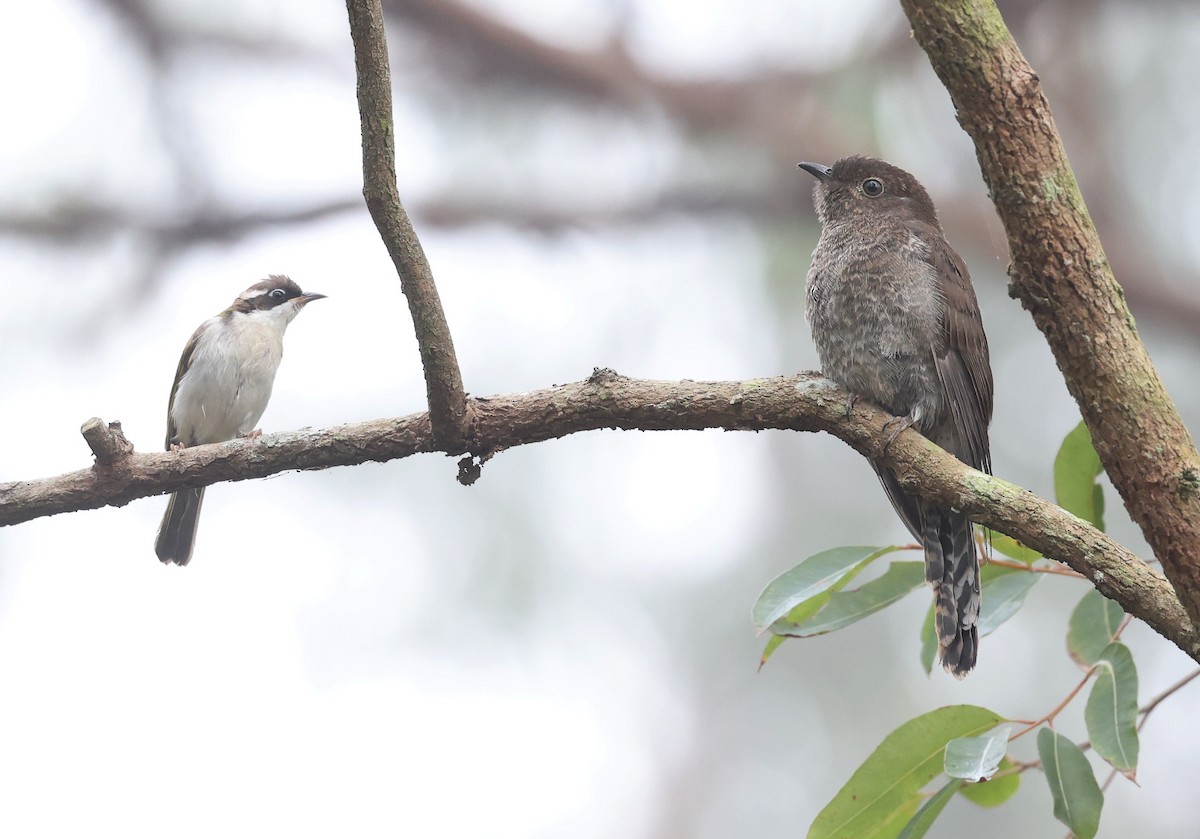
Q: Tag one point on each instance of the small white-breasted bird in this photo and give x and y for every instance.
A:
(221, 389)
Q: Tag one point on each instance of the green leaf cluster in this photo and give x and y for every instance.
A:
(883, 797)
(895, 792)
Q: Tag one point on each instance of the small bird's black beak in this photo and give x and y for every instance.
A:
(817, 170)
(308, 297)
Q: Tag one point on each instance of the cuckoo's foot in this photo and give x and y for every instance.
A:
(900, 423)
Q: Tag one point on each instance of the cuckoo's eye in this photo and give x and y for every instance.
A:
(872, 187)
(278, 294)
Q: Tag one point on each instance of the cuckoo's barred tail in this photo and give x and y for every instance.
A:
(177, 533)
(951, 567)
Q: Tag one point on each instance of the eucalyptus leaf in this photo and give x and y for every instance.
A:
(1076, 468)
(1011, 548)
(924, 818)
(929, 645)
(977, 758)
(773, 643)
(1003, 591)
(1111, 712)
(1077, 797)
(996, 791)
(811, 577)
(1092, 627)
(847, 607)
(899, 768)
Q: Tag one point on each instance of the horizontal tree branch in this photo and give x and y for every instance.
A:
(807, 402)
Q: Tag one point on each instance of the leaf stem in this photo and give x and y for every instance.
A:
(1049, 718)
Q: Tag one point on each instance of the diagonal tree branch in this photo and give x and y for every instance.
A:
(1061, 275)
(443, 381)
(806, 402)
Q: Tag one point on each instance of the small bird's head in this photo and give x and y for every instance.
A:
(865, 187)
(276, 297)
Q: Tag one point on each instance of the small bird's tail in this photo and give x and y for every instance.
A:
(177, 533)
(951, 566)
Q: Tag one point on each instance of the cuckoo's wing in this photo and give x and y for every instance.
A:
(962, 361)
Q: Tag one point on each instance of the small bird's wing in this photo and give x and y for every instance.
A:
(185, 361)
(962, 361)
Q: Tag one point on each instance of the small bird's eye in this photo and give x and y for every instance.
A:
(873, 187)
(278, 293)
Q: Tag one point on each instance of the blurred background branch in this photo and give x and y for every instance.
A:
(738, 136)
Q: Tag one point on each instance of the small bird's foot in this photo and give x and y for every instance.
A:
(901, 424)
(851, 401)
(255, 434)
(177, 446)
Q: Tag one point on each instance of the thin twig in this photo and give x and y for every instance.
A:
(1035, 569)
(1121, 628)
(1144, 711)
(1049, 718)
(443, 380)
(1153, 703)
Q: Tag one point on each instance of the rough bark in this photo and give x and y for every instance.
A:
(1061, 275)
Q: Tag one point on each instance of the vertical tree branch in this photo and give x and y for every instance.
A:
(443, 381)
(1061, 276)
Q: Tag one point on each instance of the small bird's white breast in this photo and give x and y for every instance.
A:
(227, 385)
